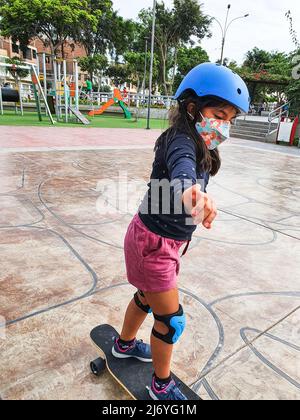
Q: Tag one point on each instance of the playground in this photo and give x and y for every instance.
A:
(56, 93)
(63, 269)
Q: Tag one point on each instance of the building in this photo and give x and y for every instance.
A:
(9, 49)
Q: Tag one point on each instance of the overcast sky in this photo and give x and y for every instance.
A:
(266, 27)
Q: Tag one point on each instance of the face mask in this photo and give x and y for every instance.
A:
(213, 131)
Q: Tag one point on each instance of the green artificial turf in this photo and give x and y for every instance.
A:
(102, 121)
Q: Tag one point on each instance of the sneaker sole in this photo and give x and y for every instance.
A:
(152, 395)
(124, 356)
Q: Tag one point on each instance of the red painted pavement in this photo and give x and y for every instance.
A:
(12, 137)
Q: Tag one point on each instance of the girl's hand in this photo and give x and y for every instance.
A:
(200, 206)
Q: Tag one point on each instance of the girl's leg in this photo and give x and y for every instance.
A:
(134, 318)
(164, 303)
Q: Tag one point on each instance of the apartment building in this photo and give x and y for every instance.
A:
(9, 49)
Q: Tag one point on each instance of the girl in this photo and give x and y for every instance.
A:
(209, 98)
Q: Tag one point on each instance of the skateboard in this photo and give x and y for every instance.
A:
(133, 375)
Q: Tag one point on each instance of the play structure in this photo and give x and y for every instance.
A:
(10, 95)
(117, 99)
(58, 90)
(63, 94)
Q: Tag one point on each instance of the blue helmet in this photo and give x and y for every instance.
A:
(209, 79)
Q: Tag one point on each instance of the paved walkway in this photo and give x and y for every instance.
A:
(63, 138)
(63, 270)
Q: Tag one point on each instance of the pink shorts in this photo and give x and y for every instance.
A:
(152, 261)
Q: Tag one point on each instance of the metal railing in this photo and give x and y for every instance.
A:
(130, 99)
(278, 113)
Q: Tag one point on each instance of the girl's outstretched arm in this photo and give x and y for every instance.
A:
(200, 206)
(181, 161)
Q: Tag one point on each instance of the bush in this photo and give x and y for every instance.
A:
(104, 88)
(296, 142)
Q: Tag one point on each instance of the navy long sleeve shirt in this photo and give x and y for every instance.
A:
(174, 171)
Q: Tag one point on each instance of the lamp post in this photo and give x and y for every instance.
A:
(145, 70)
(151, 64)
(225, 28)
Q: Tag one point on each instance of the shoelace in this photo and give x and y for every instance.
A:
(141, 345)
(175, 391)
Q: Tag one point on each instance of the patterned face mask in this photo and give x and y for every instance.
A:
(213, 131)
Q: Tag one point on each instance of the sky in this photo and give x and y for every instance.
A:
(266, 28)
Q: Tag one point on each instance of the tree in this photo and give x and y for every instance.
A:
(293, 90)
(119, 73)
(136, 67)
(187, 59)
(280, 64)
(257, 59)
(52, 21)
(267, 73)
(94, 36)
(123, 35)
(95, 65)
(111, 32)
(293, 33)
(233, 65)
(16, 73)
(293, 94)
(174, 28)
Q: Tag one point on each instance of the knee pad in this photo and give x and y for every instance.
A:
(139, 304)
(176, 324)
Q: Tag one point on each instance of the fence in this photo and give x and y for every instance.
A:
(137, 100)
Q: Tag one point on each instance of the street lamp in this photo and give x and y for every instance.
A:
(145, 69)
(151, 63)
(225, 28)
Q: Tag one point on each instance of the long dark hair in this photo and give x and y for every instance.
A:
(180, 122)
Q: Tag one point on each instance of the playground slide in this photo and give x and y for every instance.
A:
(127, 114)
(116, 99)
(79, 116)
(102, 109)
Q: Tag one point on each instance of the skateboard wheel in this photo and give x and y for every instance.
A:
(98, 366)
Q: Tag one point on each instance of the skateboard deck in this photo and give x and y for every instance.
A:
(133, 375)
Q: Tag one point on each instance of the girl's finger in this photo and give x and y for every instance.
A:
(198, 212)
(210, 218)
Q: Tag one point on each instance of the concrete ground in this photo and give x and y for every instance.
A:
(62, 267)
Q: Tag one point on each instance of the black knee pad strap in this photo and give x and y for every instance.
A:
(141, 293)
(145, 308)
(176, 324)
